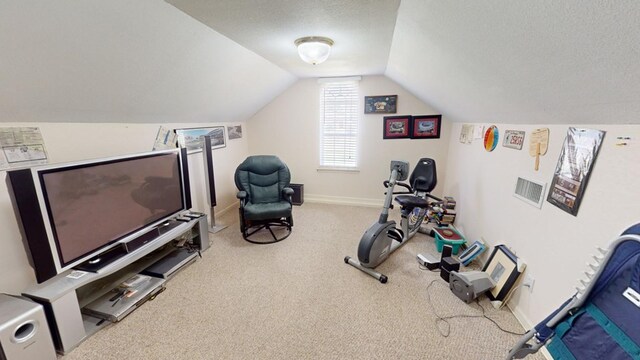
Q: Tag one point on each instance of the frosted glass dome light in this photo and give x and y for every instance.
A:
(314, 49)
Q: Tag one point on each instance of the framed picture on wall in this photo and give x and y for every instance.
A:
(426, 127)
(383, 104)
(577, 158)
(191, 138)
(234, 132)
(396, 127)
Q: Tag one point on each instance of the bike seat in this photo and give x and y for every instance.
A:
(410, 201)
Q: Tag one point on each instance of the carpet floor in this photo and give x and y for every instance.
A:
(297, 299)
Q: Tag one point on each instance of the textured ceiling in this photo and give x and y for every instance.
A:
(362, 30)
(533, 62)
(498, 61)
(125, 61)
(543, 62)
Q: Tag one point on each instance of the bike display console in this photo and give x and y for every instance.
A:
(70, 299)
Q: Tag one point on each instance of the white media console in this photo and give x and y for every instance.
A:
(65, 295)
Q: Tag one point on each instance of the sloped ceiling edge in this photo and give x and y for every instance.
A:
(122, 61)
(535, 62)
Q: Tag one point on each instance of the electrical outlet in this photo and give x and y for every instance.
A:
(528, 282)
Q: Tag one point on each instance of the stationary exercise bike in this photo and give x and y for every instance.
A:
(383, 237)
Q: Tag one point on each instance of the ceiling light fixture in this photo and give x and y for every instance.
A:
(314, 49)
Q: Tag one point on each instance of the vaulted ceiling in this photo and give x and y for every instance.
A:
(496, 61)
(361, 29)
(567, 61)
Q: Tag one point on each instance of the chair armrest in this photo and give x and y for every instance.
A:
(242, 195)
(287, 192)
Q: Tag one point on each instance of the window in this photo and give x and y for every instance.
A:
(339, 114)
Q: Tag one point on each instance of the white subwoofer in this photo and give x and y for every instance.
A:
(24, 333)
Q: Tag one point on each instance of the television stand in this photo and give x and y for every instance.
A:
(104, 259)
(67, 294)
(120, 302)
(169, 265)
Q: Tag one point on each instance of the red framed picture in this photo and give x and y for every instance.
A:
(426, 127)
(396, 127)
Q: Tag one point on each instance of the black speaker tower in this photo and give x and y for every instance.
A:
(210, 183)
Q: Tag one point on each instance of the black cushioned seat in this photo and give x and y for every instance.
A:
(265, 196)
(412, 201)
(422, 181)
(267, 211)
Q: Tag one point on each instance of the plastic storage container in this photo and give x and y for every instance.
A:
(448, 236)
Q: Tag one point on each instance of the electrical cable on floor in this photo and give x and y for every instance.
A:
(444, 319)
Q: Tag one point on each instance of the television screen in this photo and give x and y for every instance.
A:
(93, 205)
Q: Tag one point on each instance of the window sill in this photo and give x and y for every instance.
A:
(337, 169)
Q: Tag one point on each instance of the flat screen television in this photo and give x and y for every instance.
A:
(73, 212)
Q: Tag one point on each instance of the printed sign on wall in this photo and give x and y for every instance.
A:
(513, 139)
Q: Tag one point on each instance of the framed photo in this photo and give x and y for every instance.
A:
(426, 127)
(577, 157)
(234, 132)
(502, 268)
(192, 138)
(396, 127)
(382, 104)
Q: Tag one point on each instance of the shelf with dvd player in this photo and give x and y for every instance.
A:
(77, 302)
(116, 304)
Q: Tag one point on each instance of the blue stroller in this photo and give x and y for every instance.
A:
(602, 320)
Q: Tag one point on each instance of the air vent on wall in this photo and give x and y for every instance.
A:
(531, 192)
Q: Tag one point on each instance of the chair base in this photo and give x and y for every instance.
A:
(251, 227)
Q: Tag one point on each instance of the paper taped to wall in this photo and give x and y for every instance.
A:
(21, 146)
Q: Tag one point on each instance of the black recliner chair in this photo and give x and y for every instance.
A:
(265, 197)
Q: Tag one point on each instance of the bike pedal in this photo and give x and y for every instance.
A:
(395, 234)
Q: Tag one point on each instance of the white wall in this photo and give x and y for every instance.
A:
(90, 73)
(555, 245)
(69, 142)
(289, 128)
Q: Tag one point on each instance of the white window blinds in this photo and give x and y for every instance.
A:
(339, 114)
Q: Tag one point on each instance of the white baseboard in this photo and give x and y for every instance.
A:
(527, 324)
(520, 316)
(233, 206)
(341, 200)
(320, 199)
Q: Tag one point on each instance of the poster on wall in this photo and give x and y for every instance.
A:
(577, 156)
(426, 126)
(396, 127)
(466, 133)
(21, 146)
(165, 139)
(192, 138)
(234, 132)
(382, 104)
(478, 132)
